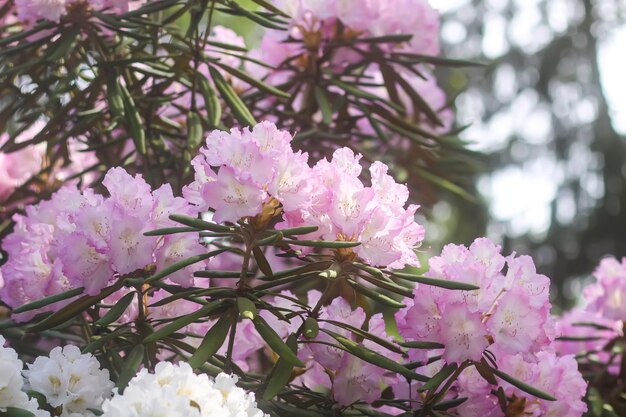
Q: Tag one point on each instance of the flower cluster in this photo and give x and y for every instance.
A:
(507, 321)
(348, 378)
(312, 19)
(590, 329)
(607, 295)
(12, 383)
(31, 11)
(510, 311)
(70, 381)
(106, 237)
(175, 391)
(257, 171)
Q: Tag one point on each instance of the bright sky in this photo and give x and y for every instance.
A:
(521, 196)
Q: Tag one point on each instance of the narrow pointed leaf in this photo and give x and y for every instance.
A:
(16, 412)
(240, 110)
(323, 243)
(49, 300)
(131, 365)
(374, 358)
(253, 81)
(439, 377)
(281, 373)
(184, 321)
(194, 130)
(375, 295)
(179, 265)
(262, 262)
(324, 105)
(302, 230)
(199, 224)
(211, 343)
(523, 386)
(275, 342)
(422, 345)
(117, 310)
(442, 283)
(170, 231)
(73, 309)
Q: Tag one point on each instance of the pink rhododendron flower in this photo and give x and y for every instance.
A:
(256, 167)
(106, 236)
(351, 378)
(509, 312)
(30, 11)
(18, 167)
(607, 295)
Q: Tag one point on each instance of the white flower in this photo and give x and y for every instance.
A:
(11, 383)
(70, 380)
(175, 391)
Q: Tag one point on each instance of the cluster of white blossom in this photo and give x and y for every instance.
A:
(176, 391)
(71, 381)
(12, 393)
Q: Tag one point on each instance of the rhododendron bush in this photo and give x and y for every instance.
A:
(195, 226)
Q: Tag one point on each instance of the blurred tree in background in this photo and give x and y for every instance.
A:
(542, 114)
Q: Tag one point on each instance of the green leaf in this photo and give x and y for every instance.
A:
(281, 373)
(183, 321)
(117, 310)
(199, 224)
(311, 328)
(389, 286)
(246, 308)
(211, 343)
(446, 184)
(275, 342)
(485, 371)
(324, 105)
(523, 386)
(355, 91)
(442, 283)
(399, 38)
(269, 6)
(194, 131)
(375, 358)
(439, 377)
(16, 412)
(130, 367)
(322, 243)
(133, 121)
(170, 231)
(114, 97)
(445, 405)
(422, 345)
(180, 265)
(240, 111)
(255, 17)
(262, 262)
(220, 274)
(366, 335)
(211, 102)
(302, 230)
(253, 81)
(73, 309)
(270, 240)
(49, 300)
(61, 47)
(375, 295)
